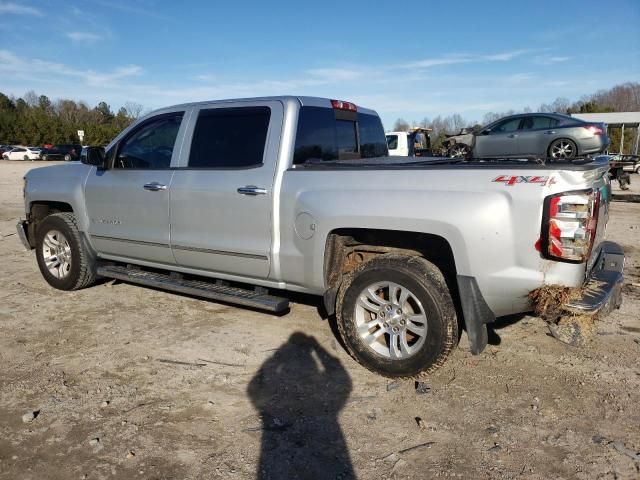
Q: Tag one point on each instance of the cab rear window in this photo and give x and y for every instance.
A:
(323, 137)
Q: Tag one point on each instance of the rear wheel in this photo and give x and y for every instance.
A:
(63, 259)
(396, 316)
(26, 157)
(563, 149)
(67, 157)
(45, 157)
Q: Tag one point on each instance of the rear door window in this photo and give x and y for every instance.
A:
(321, 136)
(230, 137)
(536, 123)
(392, 142)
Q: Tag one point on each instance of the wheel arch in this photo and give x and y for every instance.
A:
(346, 248)
(41, 209)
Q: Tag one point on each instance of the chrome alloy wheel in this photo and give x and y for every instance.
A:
(56, 253)
(458, 152)
(562, 149)
(390, 320)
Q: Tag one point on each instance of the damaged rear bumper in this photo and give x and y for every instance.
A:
(602, 291)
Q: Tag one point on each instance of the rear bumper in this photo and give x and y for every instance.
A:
(23, 233)
(602, 291)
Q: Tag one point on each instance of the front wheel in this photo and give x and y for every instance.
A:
(45, 157)
(396, 316)
(563, 149)
(67, 157)
(63, 259)
(459, 150)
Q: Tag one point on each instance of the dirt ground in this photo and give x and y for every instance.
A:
(129, 382)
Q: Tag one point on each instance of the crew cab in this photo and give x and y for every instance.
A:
(240, 200)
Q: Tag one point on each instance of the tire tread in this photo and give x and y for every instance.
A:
(431, 273)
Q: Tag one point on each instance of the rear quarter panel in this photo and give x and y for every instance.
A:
(491, 226)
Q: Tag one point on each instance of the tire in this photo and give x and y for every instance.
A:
(26, 157)
(428, 293)
(45, 157)
(67, 158)
(459, 150)
(562, 149)
(61, 230)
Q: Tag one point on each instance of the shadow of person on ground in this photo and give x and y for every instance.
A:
(299, 392)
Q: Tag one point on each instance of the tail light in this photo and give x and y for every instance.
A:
(569, 225)
(340, 105)
(595, 129)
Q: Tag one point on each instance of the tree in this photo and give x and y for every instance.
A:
(401, 125)
(133, 110)
(35, 120)
(6, 103)
(105, 112)
(45, 104)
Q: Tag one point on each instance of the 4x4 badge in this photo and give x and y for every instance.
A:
(513, 179)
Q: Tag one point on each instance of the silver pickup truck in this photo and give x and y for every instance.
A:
(240, 200)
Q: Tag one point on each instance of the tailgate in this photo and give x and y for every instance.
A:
(603, 184)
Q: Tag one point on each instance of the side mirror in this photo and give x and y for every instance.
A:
(94, 156)
(486, 131)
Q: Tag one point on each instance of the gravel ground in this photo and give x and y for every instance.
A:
(119, 381)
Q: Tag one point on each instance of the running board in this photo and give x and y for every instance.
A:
(214, 291)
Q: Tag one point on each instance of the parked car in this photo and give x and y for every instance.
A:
(22, 153)
(414, 143)
(298, 193)
(65, 152)
(5, 148)
(544, 135)
(630, 163)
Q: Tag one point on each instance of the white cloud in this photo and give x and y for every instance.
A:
(12, 64)
(458, 58)
(16, 9)
(336, 74)
(84, 37)
(550, 60)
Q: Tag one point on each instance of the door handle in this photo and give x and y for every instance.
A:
(513, 135)
(251, 190)
(154, 186)
(550, 132)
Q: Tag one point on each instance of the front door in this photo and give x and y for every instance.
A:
(128, 204)
(501, 140)
(222, 196)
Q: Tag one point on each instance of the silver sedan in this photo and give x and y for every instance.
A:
(549, 135)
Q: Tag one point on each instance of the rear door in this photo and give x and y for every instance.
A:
(536, 132)
(500, 140)
(128, 204)
(222, 193)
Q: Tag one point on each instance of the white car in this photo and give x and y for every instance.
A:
(22, 153)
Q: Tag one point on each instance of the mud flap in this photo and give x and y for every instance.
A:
(476, 313)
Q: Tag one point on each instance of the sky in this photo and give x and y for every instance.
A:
(408, 60)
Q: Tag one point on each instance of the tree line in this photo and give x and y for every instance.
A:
(621, 98)
(35, 120)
